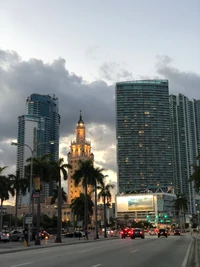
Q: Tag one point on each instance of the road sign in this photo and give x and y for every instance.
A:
(28, 219)
(80, 223)
(36, 194)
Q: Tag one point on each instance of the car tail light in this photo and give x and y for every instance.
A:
(122, 232)
(140, 232)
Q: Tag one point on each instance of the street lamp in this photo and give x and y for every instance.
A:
(31, 179)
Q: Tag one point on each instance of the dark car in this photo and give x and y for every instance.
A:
(177, 232)
(69, 235)
(137, 232)
(15, 235)
(162, 232)
(124, 233)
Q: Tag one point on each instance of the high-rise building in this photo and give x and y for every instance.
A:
(36, 129)
(80, 149)
(185, 125)
(144, 148)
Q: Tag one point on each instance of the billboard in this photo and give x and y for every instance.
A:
(134, 203)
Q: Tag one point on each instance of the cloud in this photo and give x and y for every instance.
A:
(113, 72)
(20, 78)
(186, 83)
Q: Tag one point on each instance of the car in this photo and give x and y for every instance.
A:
(177, 232)
(79, 234)
(152, 232)
(137, 232)
(5, 237)
(69, 235)
(15, 235)
(125, 232)
(162, 232)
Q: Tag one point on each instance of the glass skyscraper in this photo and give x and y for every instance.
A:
(185, 125)
(144, 147)
(39, 126)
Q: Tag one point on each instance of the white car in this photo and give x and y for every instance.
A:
(4, 237)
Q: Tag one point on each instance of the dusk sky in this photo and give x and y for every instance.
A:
(79, 49)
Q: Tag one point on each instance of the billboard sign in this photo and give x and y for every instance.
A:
(134, 203)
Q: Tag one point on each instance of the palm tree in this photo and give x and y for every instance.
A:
(84, 176)
(78, 205)
(97, 178)
(55, 195)
(58, 168)
(181, 207)
(105, 194)
(5, 190)
(19, 185)
(41, 168)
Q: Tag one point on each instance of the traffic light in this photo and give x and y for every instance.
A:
(165, 216)
(147, 216)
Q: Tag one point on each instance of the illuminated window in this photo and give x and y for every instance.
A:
(146, 124)
(140, 145)
(146, 112)
(140, 132)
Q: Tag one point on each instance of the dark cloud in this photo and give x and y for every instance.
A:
(186, 83)
(20, 78)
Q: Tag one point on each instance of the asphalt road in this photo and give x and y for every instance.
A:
(150, 252)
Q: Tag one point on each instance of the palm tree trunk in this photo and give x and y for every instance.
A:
(59, 224)
(37, 241)
(95, 205)
(104, 206)
(86, 208)
(1, 216)
(16, 208)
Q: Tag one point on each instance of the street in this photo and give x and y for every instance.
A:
(150, 252)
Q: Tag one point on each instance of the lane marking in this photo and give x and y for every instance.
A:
(134, 251)
(87, 250)
(97, 265)
(22, 264)
(185, 262)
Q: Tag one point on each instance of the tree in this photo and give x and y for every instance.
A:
(78, 206)
(126, 217)
(84, 176)
(105, 194)
(19, 185)
(181, 207)
(41, 168)
(5, 190)
(55, 195)
(96, 179)
(58, 168)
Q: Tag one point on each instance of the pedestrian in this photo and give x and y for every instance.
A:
(86, 234)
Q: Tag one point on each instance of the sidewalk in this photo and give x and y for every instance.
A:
(18, 246)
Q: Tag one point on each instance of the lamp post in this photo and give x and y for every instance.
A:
(31, 183)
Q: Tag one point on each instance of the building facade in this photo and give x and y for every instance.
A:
(36, 129)
(156, 208)
(80, 149)
(144, 148)
(185, 125)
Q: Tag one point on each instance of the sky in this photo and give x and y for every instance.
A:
(79, 49)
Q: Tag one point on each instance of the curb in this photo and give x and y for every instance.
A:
(186, 259)
(55, 245)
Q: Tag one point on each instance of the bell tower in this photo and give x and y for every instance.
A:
(79, 149)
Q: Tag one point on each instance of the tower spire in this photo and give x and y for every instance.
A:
(80, 118)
